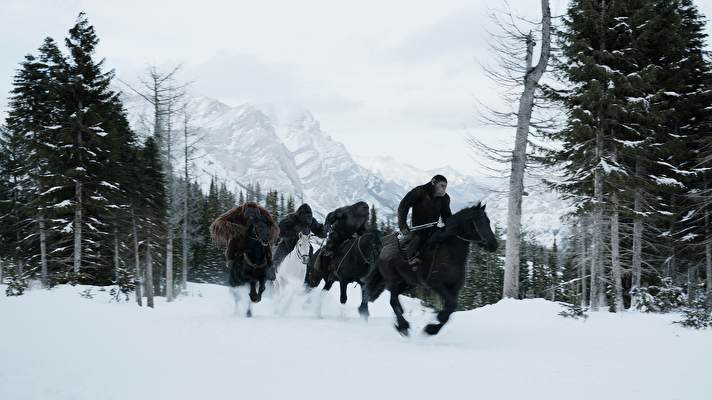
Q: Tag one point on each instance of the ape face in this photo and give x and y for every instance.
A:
(252, 214)
(305, 217)
(439, 188)
(361, 209)
(304, 214)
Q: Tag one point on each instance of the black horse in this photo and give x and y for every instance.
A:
(251, 268)
(442, 267)
(354, 261)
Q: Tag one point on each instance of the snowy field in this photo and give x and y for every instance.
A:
(58, 345)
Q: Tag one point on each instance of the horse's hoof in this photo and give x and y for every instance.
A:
(403, 330)
(363, 312)
(432, 329)
(249, 314)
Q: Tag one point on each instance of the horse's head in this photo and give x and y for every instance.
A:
(304, 248)
(313, 277)
(258, 228)
(476, 226)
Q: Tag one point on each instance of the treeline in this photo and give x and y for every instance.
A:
(84, 199)
(635, 148)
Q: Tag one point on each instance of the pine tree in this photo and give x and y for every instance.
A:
(373, 221)
(290, 205)
(257, 193)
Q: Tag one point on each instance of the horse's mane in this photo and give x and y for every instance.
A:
(466, 214)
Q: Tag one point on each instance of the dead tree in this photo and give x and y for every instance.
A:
(520, 79)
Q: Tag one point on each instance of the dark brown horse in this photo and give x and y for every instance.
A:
(354, 261)
(249, 267)
(442, 267)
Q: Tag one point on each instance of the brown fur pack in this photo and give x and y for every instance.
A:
(233, 225)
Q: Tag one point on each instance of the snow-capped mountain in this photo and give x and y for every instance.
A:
(284, 148)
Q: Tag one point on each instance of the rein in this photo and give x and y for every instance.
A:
(336, 272)
(247, 259)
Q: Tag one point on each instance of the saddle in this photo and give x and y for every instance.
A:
(394, 245)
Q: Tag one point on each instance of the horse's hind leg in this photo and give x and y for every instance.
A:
(260, 290)
(363, 308)
(235, 290)
(343, 286)
(342, 292)
(402, 325)
(253, 291)
(450, 304)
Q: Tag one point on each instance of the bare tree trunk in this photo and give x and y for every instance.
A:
(77, 228)
(169, 265)
(708, 252)
(149, 274)
(116, 256)
(138, 281)
(692, 282)
(43, 253)
(78, 209)
(1, 272)
(582, 260)
(708, 259)
(519, 155)
(637, 245)
(186, 200)
(616, 258)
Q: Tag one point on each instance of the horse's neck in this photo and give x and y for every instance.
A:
(457, 248)
(255, 251)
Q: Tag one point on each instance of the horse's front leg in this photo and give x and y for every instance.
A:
(261, 289)
(402, 326)
(343, 286)
(253, 291)
(363, 308)
(342, 291)
(449, 297)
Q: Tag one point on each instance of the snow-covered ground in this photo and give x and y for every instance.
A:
(56, 344)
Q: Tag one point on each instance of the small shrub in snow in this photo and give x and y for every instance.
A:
(86, 293)
(574, 311)
(16, 283)
(696, 314)
(124, 286)
(662, 298)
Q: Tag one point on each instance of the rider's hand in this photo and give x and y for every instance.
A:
(404, 230)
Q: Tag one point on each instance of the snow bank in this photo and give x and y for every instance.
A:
(56, 344)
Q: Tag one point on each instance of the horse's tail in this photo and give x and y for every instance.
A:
(375, 285)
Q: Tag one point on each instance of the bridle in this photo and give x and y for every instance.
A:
(301, 256)
(481, 241)
(255, 236)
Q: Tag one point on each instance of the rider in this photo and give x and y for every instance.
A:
(230, 230)
(342, 224)
(429, 203)
(290, 226)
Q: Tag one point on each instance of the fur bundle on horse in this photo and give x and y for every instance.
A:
(233, 224)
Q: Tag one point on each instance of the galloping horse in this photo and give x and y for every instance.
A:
(251, 268)
(442, 266)
(354, 261)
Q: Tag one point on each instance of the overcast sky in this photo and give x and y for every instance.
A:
(399, 73)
